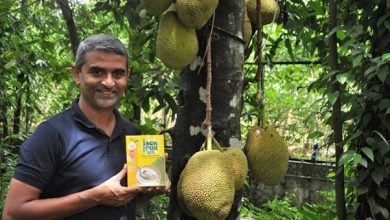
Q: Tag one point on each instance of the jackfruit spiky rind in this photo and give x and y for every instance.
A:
(205, 188)
(267, 155)
(269, 11)
(195, 13)
(176, 44)
(156, 7)
(238, 164)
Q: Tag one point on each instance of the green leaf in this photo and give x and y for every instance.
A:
(384, 103)
(332, 97)
(383, 71)
(377, 176)
(387, 111)
(386, 56)
(358, 159)
(369, 70)
(353, 136)
(362, 161)
(315, 134)
(368, 152)
(341, 34)
(342, 78)
(373, 206)
(382, 192)
(385, 213)
(346, 157)
(10, 64)
(357, 60)
(362, 189)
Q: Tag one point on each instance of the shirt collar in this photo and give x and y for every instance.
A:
(79, 116)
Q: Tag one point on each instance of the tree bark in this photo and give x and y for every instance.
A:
(337, 122)
(226, 97)
(72, 30)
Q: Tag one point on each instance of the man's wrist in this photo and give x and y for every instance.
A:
(88, 197)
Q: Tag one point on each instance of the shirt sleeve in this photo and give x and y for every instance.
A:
(38, 157)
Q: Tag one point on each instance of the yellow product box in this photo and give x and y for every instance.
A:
(145, 160)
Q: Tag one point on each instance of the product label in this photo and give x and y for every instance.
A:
(145, 160)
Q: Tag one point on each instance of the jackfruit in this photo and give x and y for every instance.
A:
(156, 7)
(238, 164)
(247, 35)
(195, 13)
(176, 44)
(267, 155)
(269, 11)
(205, 189)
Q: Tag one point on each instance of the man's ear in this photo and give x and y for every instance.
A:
(76, 74)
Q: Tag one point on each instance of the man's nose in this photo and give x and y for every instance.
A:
(108, 81)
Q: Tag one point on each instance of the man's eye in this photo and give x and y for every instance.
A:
(118, 73)
(96, 71)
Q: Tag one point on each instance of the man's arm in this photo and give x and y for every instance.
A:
(23, 200)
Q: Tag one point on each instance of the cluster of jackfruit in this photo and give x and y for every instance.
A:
(177, 44)
(269, 13)
(267, 155)
(211, 177)
(206, 188)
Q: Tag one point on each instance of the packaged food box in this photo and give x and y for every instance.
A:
(145, 160)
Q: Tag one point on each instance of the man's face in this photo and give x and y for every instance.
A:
(102, 79)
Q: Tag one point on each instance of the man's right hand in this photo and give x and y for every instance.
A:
(112, 193)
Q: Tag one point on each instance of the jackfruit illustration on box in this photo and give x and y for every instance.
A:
(145, 160)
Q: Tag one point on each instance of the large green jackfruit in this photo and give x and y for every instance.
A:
(238, 165)
(176, 44)
(205, 189)
(267, 155)
(269, 11)
(156, 7)
(195, 13)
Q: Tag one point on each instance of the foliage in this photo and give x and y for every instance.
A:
(324, 210)
(156, 209)
(363, 72)
(7, 165)
(276, 209)
(35, 82)
(271, 210)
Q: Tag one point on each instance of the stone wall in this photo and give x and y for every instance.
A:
(303, 182)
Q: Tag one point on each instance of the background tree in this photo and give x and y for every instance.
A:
(36, 52)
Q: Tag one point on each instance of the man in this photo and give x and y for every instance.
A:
(73, 166)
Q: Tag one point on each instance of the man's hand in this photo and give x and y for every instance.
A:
(112, 193)
(149, 192)
(158, 190)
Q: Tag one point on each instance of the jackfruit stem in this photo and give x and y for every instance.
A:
(219, 147)
(260, 67)
(207, 120)
(209, 145)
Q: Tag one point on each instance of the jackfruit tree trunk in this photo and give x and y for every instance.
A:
(226, 97)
